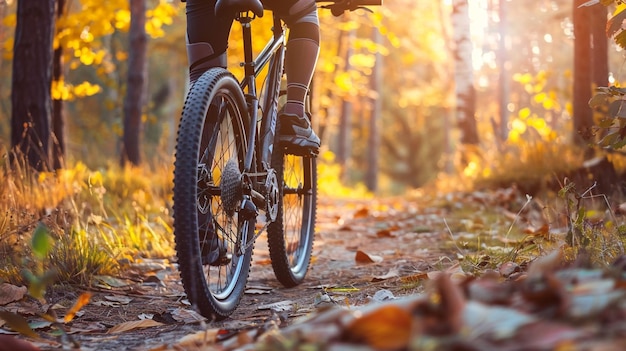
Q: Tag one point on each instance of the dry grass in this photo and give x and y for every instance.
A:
(94, 218)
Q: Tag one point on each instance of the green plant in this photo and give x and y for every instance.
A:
(591, 225)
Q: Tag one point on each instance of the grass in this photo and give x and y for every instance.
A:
(95, 218)
(577, 221)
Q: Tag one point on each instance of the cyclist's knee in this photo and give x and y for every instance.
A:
(201, 57)
(303, 11)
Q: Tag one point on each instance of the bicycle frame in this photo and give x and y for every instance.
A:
(252, 69)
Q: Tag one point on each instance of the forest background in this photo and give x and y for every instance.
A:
(415, 98)
(387, 90)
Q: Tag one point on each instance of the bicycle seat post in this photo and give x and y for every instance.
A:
(245, 18)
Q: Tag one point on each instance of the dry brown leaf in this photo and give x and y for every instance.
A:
(187, 316)
(82, 300)
(361, 213)
(386, 328)
(126, 326)
(508, 268)
(11, 293)
(362, 257)
(393, 273)
(455, 271)
(452, 302)
(18, 324)
(125, 300)
(414, 278)
(384, 233)
(197, 340)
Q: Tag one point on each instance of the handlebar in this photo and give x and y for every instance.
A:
(338, 7)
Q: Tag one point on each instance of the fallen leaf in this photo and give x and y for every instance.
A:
(508, 268)
(125, 300)
(82, 300)
(383, 295)
(11, 293)
(362, 257)
(414, 278)
(393, 273)
(148, 267)
(281, 306)
(386, 328)
(199, 339)
(496, 321)
(384, 233)
(107, 282)
(258, 289)
(545, 335)
(361, 213)
(587, 306)
(18, 324)
(452, 303)
(455, 272)
(187, 316)
(323, 300)
(130, 325)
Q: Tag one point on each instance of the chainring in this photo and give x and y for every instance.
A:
(272, 197)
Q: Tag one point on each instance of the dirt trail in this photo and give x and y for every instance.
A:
(399, 238)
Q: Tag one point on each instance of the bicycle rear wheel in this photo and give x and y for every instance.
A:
(291, 236)
(210, 152)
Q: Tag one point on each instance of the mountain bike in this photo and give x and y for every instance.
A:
(228, 169)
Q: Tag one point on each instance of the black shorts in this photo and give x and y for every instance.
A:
(282, 7)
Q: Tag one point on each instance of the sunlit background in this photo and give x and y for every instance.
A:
(400, 56)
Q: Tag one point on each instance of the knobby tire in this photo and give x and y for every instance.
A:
(213, 129)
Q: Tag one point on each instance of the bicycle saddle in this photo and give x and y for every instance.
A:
(233, 7)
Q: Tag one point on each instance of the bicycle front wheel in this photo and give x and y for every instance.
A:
(210, 152)
(290, 237)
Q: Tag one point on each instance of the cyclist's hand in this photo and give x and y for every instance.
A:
(232, 7)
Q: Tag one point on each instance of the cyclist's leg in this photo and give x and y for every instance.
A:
(207, 37)
(300, 60)
(207, 40)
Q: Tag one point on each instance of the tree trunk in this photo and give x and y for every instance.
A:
(583, 115)
(371, 178)
(503, 74)
(464, 77)
(600, 43)
(133, 102)
(31, 81)
(58, 121)
(345, 119)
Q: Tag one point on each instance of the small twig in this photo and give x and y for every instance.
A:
(452, 236)
(528, 199)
